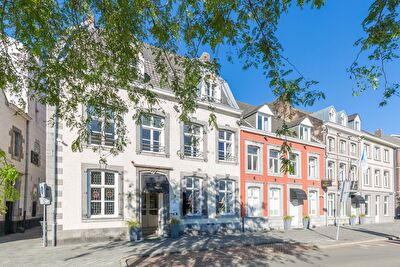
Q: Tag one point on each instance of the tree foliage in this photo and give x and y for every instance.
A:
(8, 177)
(87, 52)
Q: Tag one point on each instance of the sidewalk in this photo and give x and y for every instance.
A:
(28, 252)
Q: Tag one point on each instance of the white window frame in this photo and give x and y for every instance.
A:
(102, 186)
(226, 144)
(343, 119)
(386, 156)
(297, 170)
(377, 176)
(368, 150)
(377, 153)
(353, 149)
(304, 132)
(275, 161)
(193, 189)
(226, 191)
(367, 209)
(103, 121)
(195, 149)
(211, 89)
(331, 205)
(310, 191)
(342, 147)
(331, 144)
(353, 173)
(331, 170)
(332, 115)
(263, 117)
(259, 159)
(260, 211)
(153, 129)
(367, 177)
(274, 211)
(344, 171)
(386, 179)
(385, 205)
(317, 176)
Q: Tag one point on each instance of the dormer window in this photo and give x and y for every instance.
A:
(263, 122)
(332, 115)
(304, 133)
(343, 119)
(210, 89)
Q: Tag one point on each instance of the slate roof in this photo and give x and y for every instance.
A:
(353, 116)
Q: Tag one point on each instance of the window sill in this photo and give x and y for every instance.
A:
(227, 162)
(194, 158)
(275, 174)
(91, 146)
(150, 153)
(254, 172)
(102, 219)
(233, 215)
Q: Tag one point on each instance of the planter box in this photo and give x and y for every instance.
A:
(363, 220)
(175, 230)
(135, 234)
(287, 225)
(353, 221)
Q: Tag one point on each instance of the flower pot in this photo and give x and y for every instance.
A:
(287, 224)
(306, 223)
(135, 234)
(353, 220)
(175, 230)
(363, 220)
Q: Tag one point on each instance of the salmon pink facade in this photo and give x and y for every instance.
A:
(267, 195)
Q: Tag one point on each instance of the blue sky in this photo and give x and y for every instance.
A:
(320, 44)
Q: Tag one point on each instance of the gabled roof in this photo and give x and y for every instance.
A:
(391, 139)
(304, 120)
(352, 117)
(249, 110)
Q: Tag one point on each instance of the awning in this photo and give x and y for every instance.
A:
(298, 194)
(357, 199)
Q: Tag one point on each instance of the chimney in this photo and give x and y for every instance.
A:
(205, 57)
(378, 132)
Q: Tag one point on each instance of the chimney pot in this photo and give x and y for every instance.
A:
(378, 132)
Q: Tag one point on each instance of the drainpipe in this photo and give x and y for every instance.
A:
(54, 193)
(26, 172)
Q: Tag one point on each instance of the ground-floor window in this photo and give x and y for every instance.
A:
(331, 205)
(367, 201)
(103, 190)
(226, 197)
(312, 202)
(386, 205)
(192, 196)
(274, 203)
(254, 201)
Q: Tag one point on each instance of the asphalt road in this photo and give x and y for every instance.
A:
(370, 254)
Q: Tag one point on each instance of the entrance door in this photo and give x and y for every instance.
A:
(377, 208)
(294, 210)
(8, 218)
(253, 201)
(150, 206)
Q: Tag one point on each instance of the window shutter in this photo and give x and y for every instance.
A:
(184, 200)
(217, 196)
(205, 138)
(237, 199)
(120, 195)
(204, 196)
(85, 197)
(138, 138)
(181, 151)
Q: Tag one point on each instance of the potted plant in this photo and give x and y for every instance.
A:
(174, 224)
(135, 230)
(363, 218)
(306, 222)
(287, 222)
(353, 219)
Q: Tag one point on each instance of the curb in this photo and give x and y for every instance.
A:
(359, 242)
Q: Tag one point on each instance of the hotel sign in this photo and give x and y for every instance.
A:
(326, 183)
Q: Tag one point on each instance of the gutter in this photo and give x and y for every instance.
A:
(26, 173)
(54, 193)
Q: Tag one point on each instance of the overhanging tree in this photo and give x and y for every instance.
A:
(86, 52)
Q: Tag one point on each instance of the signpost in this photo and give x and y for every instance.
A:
(45, 200)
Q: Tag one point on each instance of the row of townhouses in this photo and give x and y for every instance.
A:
(211, 178)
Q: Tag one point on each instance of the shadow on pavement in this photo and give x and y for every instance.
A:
(32, 233)
(260, 255)
(371, 232)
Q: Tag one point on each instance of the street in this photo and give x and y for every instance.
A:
(380, 253)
